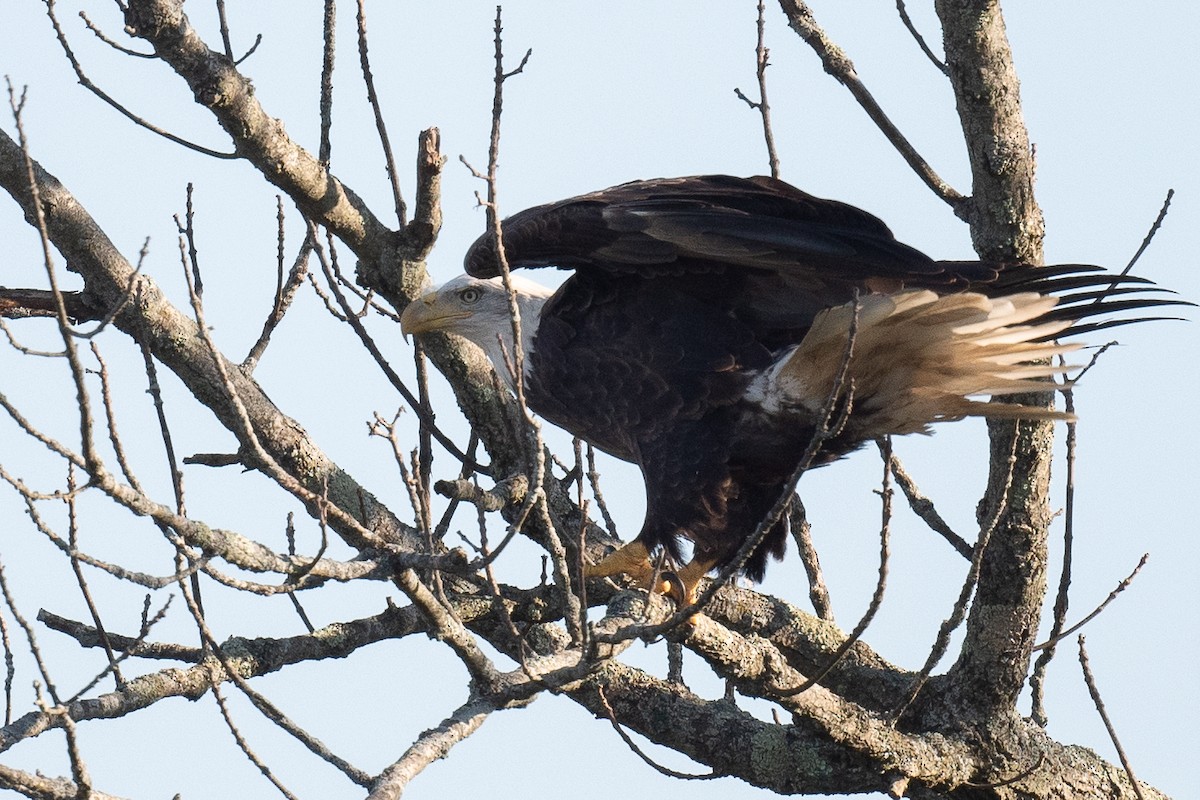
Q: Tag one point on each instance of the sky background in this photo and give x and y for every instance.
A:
(612, 92)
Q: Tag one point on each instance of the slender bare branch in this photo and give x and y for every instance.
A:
(880, 584)
(970, 585)
(364, 61)
(637, 751)
(902, 10)
(1158, 221)
(285, 293)
(1122, 586)
(244, 745)
(86, 83)
(923, 507)
(818, 592)
(1090, 680)
(432, 745)
(838, 64)
(762, 60)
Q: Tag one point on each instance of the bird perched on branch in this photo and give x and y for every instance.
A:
(706, 336)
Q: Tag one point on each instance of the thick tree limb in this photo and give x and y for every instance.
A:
(42, 788)
(837, 747)
(1006, 222)
(22, 303)
(1006, 225)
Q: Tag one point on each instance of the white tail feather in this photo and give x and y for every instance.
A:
(919, 358)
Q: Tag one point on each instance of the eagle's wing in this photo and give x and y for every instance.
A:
(700, 223)
(781, 254)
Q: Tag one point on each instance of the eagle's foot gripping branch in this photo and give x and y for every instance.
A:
(633, 560)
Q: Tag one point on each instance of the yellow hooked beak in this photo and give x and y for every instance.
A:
(430, 312)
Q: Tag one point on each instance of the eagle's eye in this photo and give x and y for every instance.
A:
(470, 295)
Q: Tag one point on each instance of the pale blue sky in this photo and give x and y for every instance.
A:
(613, 92)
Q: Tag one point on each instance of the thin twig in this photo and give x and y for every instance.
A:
(299, 576)
(25, 425)
(818, 592)
(86, 83)
(593, 476)
(327, 61)
(762, 60)
(126, 296)
(381, 128)
(91, 26)
(1090, 680)
(637, 751)
(536, 501)
(10, 669)
(258, 38)
(1037, 678)
(187, 231)
(424, 435)
(908, 23)
(30, 638)
(165, 430)
(397, 382)
(923, 507)
(244, 746)
(1122, 586)
(838, 64)
(264, 706)
(110, 640)
(1101, 350)
(1158, 221)
(79, 771)
(880, 584)
(91, 458)
(118, 572)
(285, 293)
(223, 24)
(81, 580)
(1154, 227)
(110, 414)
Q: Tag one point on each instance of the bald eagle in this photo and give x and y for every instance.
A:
(707, 321)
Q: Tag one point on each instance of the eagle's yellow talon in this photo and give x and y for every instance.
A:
(632, 559)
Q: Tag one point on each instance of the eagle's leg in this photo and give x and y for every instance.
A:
(632, 559)
(689, 578)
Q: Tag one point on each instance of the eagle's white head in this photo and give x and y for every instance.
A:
(477, 310)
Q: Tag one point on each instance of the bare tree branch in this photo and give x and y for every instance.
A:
(762, 60)
(432, 745)
(838, 64)
(1112, 733)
